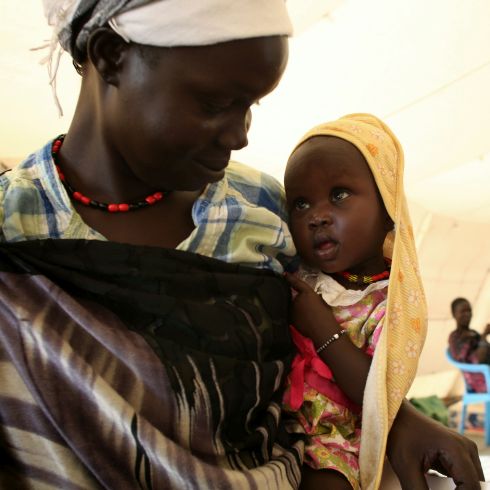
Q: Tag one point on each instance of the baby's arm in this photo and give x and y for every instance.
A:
(314, 319)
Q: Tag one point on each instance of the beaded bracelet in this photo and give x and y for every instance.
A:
(333, 338)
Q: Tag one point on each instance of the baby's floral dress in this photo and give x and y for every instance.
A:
(331, 421)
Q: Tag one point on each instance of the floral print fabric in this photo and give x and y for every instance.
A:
(331, 421)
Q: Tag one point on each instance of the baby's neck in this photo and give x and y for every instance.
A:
(345, 283)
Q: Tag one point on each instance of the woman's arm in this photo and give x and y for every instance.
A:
(481, 352)
(314, 319)
(417, 443)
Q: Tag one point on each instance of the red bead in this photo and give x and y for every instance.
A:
(78, 196)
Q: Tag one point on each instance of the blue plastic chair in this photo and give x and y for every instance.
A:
(472, 397)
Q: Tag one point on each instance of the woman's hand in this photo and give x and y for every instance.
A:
(417, 443)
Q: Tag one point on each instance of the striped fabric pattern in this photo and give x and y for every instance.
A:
(127, 367)
(240, 219)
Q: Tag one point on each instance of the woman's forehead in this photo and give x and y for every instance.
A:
(253, 66)
(271, 50)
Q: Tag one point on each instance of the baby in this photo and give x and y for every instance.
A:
(344, 194)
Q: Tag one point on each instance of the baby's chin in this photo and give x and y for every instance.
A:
(319, 265)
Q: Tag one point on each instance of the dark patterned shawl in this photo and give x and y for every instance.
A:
(126, 367)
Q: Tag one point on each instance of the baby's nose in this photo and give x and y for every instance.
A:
(319, 219)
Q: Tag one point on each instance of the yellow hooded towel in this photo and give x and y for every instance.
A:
(395, 359)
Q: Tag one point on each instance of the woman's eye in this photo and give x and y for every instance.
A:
(216, 107)
(301, 204)
(339, 195)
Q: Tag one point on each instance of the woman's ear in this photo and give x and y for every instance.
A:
(106, 51)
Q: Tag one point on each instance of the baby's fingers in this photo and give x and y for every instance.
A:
(297, 283)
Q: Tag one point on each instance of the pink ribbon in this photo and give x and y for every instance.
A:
(307, 367)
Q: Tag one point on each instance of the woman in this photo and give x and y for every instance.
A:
(132, 360)
(467, 345)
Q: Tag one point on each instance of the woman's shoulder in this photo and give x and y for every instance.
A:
(18, 185)
(27, 173)
(460, 337)
(464, 333)
(30, 198)
(258, 188)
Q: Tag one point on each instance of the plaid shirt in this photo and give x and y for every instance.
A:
(240, 219)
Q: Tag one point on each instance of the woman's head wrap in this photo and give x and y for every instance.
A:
(162, 23)
(396, 357)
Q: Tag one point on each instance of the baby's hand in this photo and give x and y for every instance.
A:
(487, 330)
(310, 314)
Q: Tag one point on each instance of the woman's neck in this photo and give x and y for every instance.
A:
(90, 159)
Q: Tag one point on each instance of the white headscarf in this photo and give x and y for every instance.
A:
(162, 23)
(202, 22)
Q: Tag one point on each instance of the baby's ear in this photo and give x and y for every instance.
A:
(106, 50)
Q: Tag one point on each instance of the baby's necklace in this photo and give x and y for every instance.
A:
(362, 280)
(87, 201)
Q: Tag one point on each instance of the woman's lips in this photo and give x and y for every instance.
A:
(216, 163)
(215, 167)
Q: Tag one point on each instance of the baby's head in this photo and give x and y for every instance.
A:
(340, 185)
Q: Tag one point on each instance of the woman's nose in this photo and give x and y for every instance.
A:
(234, 133)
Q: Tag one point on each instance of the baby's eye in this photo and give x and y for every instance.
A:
(340, 195)
(300, 204)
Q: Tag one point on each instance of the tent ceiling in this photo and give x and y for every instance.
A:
(422, 66)
(304, 13)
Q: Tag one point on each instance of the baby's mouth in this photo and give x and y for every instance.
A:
(325, 247)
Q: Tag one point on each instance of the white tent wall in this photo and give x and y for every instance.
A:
(454, 259)
(423, 66)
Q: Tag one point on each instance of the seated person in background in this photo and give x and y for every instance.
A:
(467, 345)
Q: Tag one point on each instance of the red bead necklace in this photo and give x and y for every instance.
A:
(87, 201)
(355, 278)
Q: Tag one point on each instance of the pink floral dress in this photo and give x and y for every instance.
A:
(331, 421)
